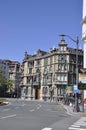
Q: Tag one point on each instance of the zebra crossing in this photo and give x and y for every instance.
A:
(79, 125)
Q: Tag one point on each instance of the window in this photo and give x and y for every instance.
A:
(38, 62)
(30, 64)
(65, 77)
(30, 70)
(59, 58)
(63, 48)
(45, 90)
(55, 58)
(50, 60)
(62, 77)
(62, 58)
(62, 67)
(45, 61)
(50, 69)
(58, 77)
(65, 67)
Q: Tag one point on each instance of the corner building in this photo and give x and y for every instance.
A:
(47, 75)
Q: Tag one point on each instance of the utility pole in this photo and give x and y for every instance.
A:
(77, 78)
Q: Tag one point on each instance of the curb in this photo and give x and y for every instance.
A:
(70, 111)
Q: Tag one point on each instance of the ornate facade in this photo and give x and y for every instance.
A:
(47, 75)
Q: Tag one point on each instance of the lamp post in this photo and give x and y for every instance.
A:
(77, 42)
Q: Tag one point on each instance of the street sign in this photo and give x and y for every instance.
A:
(75, 88)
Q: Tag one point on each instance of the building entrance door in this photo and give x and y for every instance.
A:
(36, 93)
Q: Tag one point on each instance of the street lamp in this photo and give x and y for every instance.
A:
(77, 42)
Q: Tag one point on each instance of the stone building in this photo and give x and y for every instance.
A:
(47, 75)
(5, 68)
(15, 76)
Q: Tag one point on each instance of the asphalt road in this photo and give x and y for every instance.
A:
(34, 115)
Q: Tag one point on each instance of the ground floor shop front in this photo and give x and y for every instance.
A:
(48, 92)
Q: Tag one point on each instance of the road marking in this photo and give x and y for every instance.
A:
(32, 110)
(4, 117)
(16, 107)
(71, 128)
(78, 124)
(38, 107)
(47, 129)
(75, 126)
(5, 109)
(81, 124)
(23, 105)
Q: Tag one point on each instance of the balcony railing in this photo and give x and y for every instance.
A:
(36, 83)
(60, 82)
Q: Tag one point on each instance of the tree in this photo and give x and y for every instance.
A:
(3, 83)
(10, 84)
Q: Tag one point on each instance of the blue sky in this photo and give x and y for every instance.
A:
(29, 25)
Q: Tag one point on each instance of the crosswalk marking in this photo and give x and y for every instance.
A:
(47, 129)
(78, 124)
(71, 128)
(75, 126)
(81, 124)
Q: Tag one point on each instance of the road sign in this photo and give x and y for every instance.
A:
(75, 88)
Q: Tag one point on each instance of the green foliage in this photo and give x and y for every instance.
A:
(10, 84)
(3, 85)
(2, 77)
(5, 82)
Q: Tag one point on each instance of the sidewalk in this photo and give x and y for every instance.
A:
(70, 110)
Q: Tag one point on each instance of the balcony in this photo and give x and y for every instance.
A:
(44, 83)
(28, 84)
(36, 79)
(60, 82)
(36, 83)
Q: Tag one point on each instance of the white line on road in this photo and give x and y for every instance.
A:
(75, 126)
(16, 107)
(78, 124)
(39, 106)
(47, 129)
(71, 128)
(32, 110)
(4, 117)
(82, 124)
(5, 110)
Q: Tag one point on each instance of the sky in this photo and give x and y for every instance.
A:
(29, 25)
